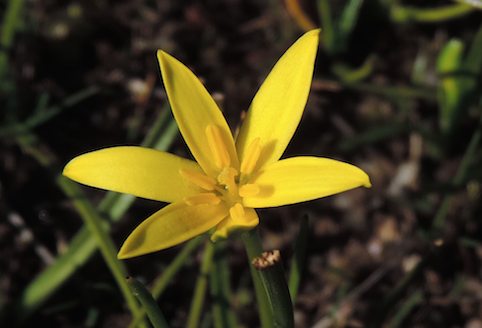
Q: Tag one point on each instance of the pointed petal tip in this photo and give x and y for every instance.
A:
(161, 54)
(304, 178)
(122, 255)
(70, 168)
(65, 171)
(365, 179)
(171, 226)
(316, 32)
(129, 254)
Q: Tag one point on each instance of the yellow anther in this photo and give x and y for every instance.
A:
(237, 212)
(226, 177)
(218, 147)
(203, 199)
(249, 190)
(251, 157)
(199, 179)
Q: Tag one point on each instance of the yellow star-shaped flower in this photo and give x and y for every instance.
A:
(230, 178)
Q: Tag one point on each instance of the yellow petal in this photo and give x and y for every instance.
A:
(300, 179)
(142, 172)
(276, 109)
(194, 110)
(230, 227)
(170, 226)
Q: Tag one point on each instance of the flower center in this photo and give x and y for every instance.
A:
(230, 185)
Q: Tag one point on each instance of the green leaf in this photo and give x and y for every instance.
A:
(148, 303)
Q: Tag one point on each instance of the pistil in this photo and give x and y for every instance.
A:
(229, 187)
(227, 178)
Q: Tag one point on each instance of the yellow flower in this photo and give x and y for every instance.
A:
(230, 178)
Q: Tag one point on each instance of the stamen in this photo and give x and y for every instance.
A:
(203, 199)
(199, 179)
(237, 212)
(226, 177)
(251, 157)
(249, 190)
(218, 147)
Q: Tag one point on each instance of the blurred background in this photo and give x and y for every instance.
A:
(396, 92)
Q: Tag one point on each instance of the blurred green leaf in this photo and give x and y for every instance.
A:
(11, 22)
(413, 301)
(223, 313)
(473, 61)
(474, 3)
(148, 303)
(42, 113)
(328, 34)
(99, 230)
(336, 31)
(83, 244)
(163, 281)
(347, 23)
(452, 86)
(349, 75)
(458, 82)
(402, 14)
(393, 92)
(375, 134)
(298, 261)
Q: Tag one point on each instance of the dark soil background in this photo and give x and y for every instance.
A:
(362, 244)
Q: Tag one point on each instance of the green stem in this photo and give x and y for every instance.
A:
(201, 287)
(98, 228)
(148, 303)
(223, 315)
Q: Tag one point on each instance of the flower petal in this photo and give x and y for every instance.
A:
(300, 179)
(232, 228)
(142, 172)
(170, 226)
(277, 107)
(194, 110)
